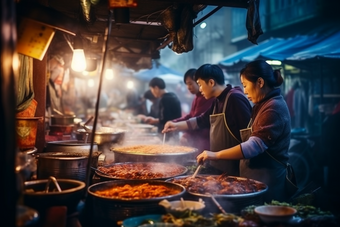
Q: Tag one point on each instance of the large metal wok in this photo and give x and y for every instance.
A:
(140, 170)
(179, 157)
(232, 203)
(108, 211)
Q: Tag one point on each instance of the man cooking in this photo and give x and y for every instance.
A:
(229, 113)
(169, 107)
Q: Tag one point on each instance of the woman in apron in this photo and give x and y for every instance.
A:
(263, 153)
(229, 113)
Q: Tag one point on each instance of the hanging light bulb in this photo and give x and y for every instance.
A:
(130, 84)
(78, 59)
(109, 74)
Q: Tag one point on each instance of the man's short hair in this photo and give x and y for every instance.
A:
(157, 82)
(190, 73)
(209, 71)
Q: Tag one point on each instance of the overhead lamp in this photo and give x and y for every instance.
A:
(130, 84)
(274, 62)
(78, 59)
(109, 74)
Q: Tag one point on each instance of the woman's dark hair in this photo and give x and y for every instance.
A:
(157, 82)
(190, 73)
(260, 68)
(148, 95)
(208, 71)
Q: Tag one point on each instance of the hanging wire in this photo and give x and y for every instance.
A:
(104, 53)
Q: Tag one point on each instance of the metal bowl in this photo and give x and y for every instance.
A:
(34, 195)
(165, 170)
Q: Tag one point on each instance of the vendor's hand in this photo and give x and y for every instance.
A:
(205, 155)
(149, 120)
(141, 117)
(169, 127)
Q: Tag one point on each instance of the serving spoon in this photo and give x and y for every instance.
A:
(196, 171)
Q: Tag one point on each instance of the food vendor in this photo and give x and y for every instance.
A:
(229, 113)
(169, 107)
(266, 142)
(195, 138)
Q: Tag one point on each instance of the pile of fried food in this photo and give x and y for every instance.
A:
(135, 170)
(154, 149)
(141, 191)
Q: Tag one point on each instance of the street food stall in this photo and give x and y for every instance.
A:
(71, 171)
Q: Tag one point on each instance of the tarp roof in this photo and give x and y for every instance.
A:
(293, 50)
(157, 70)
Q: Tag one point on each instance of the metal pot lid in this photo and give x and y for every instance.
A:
(68, 143)
(62, 156)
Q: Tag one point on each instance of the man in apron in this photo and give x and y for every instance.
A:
(229, 113)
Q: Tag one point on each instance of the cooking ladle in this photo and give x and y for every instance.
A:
(196, 171)
(58, 112)
(87, 129)
(54, 180)
(200, 164)
(217, 204)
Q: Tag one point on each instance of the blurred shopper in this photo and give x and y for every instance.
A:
(132, 101)
(153, 109)
(198, 138)
(169, 107)
(264, 149)
(54, 91)
(229, 113)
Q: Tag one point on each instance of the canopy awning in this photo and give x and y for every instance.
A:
(158, 70)
(295, 50)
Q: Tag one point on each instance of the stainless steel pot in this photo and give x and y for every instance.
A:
(62, 165)
(75, 147)
(104, 135)
(70, 146)
(62, 119)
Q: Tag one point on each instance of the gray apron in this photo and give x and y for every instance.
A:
(273, 178)
(222, 138)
